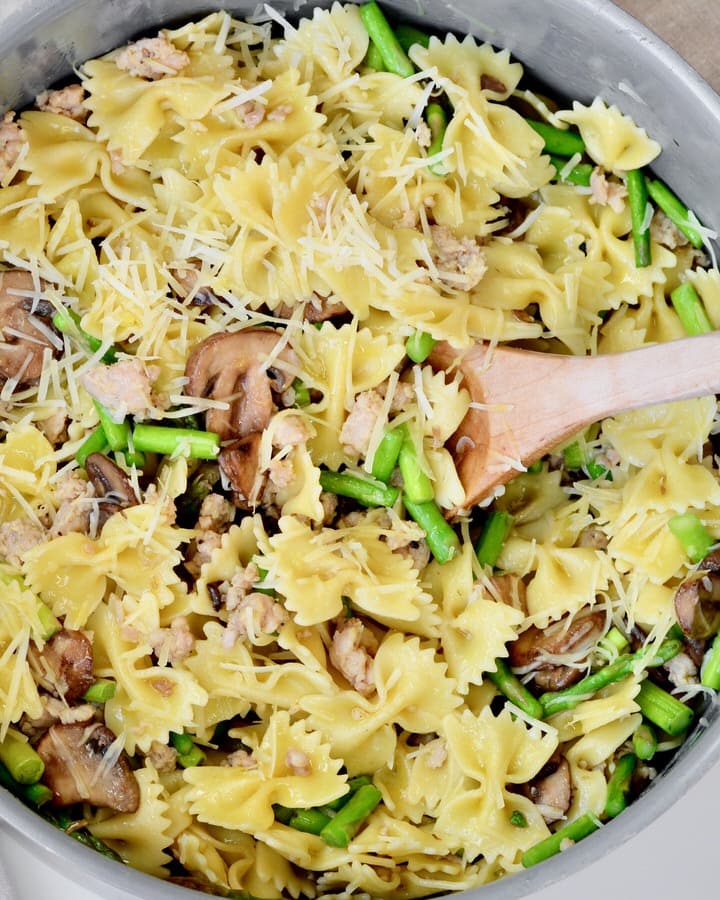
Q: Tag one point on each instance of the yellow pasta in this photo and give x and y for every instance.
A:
(243, 230)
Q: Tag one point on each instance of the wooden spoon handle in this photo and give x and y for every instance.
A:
(526, 404)
(678, 370)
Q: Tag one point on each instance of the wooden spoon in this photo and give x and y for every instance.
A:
(529, 403)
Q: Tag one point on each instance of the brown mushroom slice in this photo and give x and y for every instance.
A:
(320, 309)
(110, 482)
(697, 600)
(551, 791)
(81, 767)
(231, 367)
(510, 589)
(22, 341)
(239, 463)
(64, 666)
(532, 647)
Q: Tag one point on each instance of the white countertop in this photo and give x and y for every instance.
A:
(677, 856)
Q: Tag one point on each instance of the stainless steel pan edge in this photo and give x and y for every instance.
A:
(581, 49)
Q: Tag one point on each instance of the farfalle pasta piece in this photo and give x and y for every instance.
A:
(26, 464)
(475, 627)
(65, 155)
(314, 570)
(283, 114)
(682, 427)
(234, 680)
(237, 548)
(419, 780)
(68, 573)
(489, 140)
(566, 579)
(23, 220)
(151, 700)
(130, 113)
(413, 690)
(340, 363)
(242, 798)
(140, 838)
(493, 751)
(19, 625)
(71, 251)
(612, 139)
(612, 704)
(645, 544)
(326, 47)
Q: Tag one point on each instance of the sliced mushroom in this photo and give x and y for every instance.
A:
(231, 367)
(531, 649)
(64, 666)
(111, 484)
(551, 791)
(77, 771)
(697, 599)
(239, 463)
(318, 309)
(510, 589)
(187, 278)
(23, 336)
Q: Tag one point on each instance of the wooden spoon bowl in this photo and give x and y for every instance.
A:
(526, 403)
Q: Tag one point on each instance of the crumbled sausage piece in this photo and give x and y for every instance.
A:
(438, 754)
(152, 58)
(202, 552)
(117, 166)
(256, 614)
(460, 261)
(74, 512)
(54, 427)
(174, 643)
(403, 395)
(281, 473)
(682, 671)
(352, 653)
(664, 231)
(251, 113)
(408, 539)
(67, 101)
(298, 762)
(124, 388)
(16, 538)
(280, 112)
(416, 551)
(215, 513)
(241, 759)
(12, 140)
(168, 512)
(241, 585)
(290, 431)
(358, 427)
(164, 758)
(423, 135)
(163, 686)
(606, 192)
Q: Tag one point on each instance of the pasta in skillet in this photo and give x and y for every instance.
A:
(251, 638)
